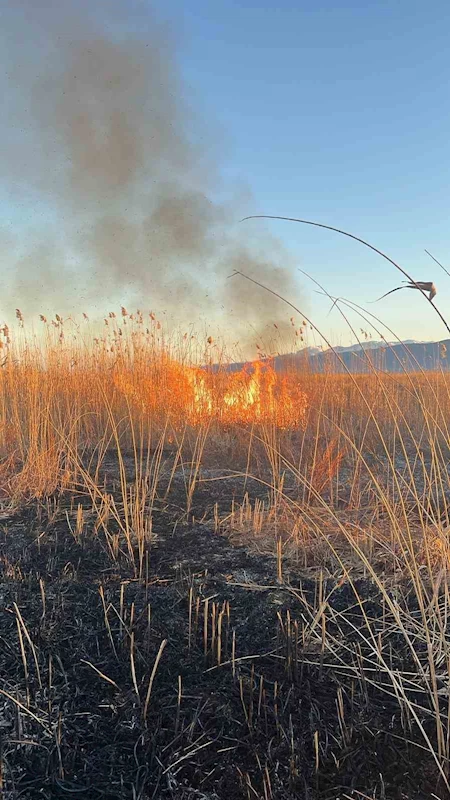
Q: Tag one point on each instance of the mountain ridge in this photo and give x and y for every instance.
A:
(393, 357)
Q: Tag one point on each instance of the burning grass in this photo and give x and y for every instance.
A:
(215, 583)
(255, 394)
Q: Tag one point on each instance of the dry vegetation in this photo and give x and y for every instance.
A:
(218, 584)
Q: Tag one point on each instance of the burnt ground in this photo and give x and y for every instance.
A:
(244, 702)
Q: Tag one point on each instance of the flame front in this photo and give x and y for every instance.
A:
(256, 393)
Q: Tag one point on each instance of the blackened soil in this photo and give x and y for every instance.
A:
(243, 703)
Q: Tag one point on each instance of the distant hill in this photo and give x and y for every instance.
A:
(409, 356)
(370, 345)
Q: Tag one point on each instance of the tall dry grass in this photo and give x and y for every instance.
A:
(355, 467)
(66, 393)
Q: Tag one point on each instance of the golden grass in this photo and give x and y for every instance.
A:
(66, 392)
(69, 392)
(371, 447)
(355, 467)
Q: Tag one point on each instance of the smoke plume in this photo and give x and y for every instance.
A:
(113, 183)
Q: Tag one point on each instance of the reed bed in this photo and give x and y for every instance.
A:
(146, 655)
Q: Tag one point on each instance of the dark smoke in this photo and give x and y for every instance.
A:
(113, 188)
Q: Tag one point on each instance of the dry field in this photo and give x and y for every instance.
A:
(218, 584)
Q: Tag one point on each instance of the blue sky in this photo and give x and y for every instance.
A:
(337, 112)
(334, 112)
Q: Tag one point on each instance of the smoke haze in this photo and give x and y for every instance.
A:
(113, 181)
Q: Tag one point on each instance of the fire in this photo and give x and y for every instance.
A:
(252, 395)
(256, 393)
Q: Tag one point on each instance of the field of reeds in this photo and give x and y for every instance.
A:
(218, 584)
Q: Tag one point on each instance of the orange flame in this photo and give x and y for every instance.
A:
(256, 393)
